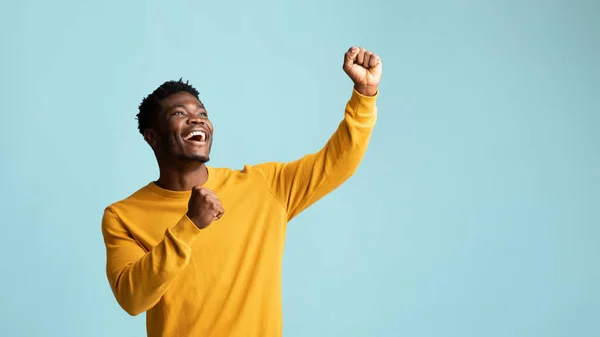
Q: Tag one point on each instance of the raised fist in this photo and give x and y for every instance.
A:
(204, 207)
(365, 70)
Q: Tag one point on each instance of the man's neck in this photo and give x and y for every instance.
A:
(182, 178)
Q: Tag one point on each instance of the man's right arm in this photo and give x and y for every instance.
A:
(138, 278)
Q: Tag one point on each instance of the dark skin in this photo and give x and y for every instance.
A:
(181, 161)
(181, 139)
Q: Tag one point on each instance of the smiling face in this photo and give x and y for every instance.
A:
(182, 130)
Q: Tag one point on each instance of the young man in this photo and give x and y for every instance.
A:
(200, 249)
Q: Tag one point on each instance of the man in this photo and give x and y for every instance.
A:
(200, 249)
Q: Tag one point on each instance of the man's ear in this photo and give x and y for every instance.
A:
(151, 137)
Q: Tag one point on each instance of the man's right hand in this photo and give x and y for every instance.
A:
(204, 207)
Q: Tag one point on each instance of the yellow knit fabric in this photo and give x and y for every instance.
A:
(224, 280)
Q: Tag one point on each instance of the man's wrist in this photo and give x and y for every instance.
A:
(366, 90)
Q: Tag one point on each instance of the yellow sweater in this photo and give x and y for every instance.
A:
(224, 280)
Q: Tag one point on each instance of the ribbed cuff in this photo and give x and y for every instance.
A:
(185, 230)
(362, 105)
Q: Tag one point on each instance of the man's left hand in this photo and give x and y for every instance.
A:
(364, 69)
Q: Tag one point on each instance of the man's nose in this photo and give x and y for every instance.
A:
(195, 120)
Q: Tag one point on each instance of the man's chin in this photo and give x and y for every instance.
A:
(202, 159)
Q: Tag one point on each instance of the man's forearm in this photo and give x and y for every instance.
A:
(138, 279)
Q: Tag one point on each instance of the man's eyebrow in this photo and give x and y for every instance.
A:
(199, 106)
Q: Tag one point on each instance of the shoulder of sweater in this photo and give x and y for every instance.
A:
(226, 172)
(134, 197)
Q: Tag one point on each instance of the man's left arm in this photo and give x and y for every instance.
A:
(301, 183)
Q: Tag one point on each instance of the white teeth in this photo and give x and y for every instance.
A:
(196, 133)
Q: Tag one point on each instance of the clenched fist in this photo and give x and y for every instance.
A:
(204, 207)
(364, 68)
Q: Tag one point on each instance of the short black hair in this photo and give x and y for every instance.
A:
(151, 104)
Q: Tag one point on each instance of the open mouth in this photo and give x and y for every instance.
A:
(196, 136)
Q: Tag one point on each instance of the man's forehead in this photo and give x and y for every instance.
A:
(183, 100)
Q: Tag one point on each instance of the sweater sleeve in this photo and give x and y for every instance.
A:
(301, 183)
(139, 278)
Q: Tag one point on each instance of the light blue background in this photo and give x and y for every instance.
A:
(474, 213)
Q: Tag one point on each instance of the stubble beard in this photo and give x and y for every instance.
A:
(196, 158)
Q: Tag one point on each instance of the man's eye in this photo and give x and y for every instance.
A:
(203, 114)
(178, 113)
